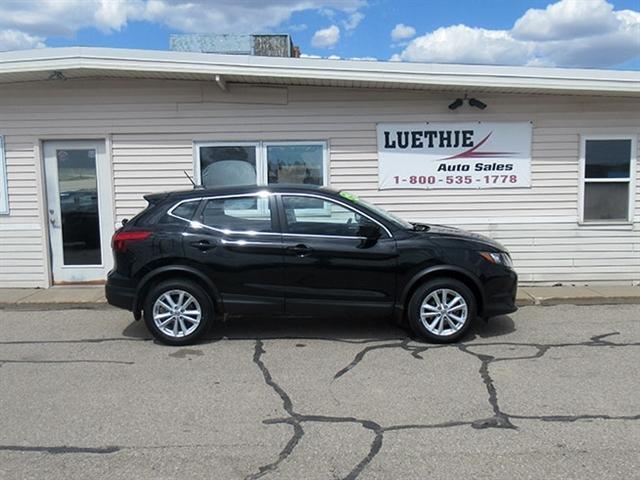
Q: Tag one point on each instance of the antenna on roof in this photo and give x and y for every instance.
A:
(190, 179)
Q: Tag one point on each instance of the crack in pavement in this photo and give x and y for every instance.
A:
(117, 362)
(500, 418)
(61, 450)
(81, 340)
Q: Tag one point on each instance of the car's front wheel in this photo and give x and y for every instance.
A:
(177, 312)
(442, 310)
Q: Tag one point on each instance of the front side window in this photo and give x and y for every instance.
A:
(607, 179)
(238, 214)
(314, 216)
(261, 163)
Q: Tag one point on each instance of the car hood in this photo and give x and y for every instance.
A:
(458, 233)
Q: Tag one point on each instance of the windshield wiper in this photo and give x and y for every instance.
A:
(419, 227)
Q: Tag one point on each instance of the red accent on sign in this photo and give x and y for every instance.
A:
(471, 153)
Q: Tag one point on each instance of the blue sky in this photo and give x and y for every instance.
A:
(573, 33)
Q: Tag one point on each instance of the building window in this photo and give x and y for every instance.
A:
(608, 177)
(261, 163)
(4, 194)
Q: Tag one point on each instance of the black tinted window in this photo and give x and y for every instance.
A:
(241, 214)
(186, 210)
(607, 158)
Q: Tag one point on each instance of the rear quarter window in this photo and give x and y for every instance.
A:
(186, 210)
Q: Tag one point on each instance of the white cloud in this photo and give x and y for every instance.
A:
(569, 33)
(15, 40)
(565, 20)
(326, 37)
(48, 18)
(353, 21)
(402, 32)
(466, 45)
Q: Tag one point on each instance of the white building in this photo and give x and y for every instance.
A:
(86, 132)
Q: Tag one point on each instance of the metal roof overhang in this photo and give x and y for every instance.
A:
(83, 62)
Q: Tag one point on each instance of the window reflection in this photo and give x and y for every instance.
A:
(228, 165)
(295, 164)
(79, 214)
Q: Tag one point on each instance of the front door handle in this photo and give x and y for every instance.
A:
(203, 245)
(300, 250)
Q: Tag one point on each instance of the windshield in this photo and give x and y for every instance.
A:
(390, 217)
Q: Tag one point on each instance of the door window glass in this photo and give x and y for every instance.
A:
(314, 216)
(79, 216)
(295, 163)
(238, 214)
(228, 165)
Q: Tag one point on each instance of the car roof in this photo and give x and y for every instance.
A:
(236, 190)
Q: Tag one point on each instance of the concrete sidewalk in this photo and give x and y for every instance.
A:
(92, 296)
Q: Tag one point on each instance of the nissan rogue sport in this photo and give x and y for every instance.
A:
(195, 256)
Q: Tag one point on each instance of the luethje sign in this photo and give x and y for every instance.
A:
(454, 155)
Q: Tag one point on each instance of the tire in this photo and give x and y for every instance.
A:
(168, 323)
(429, 323)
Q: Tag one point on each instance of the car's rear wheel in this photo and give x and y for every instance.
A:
(177, 311)
(442, 310)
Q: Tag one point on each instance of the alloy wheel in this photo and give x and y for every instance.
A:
(444, 312)
(176, 313)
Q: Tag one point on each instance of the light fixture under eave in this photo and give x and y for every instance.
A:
(57, 75)
(474, 102)
(455, 104)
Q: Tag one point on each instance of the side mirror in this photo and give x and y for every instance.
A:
(124, 221)
(371, 231)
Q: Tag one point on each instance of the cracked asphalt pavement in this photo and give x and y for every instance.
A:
(548, 392)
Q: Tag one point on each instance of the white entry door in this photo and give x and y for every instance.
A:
(79, 209)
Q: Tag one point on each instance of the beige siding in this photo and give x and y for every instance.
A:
(152, 126)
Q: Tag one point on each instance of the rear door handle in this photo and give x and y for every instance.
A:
(203, 245)
(300, 250)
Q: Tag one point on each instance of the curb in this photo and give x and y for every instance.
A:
(584, 301)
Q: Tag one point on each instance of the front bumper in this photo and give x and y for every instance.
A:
(500, 294)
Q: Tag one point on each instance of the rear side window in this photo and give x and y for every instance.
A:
(238, 214)
(186, 210)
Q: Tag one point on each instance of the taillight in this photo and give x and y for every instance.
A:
(121, 239)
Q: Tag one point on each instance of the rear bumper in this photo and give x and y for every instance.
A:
(118, 293)
(500, 294)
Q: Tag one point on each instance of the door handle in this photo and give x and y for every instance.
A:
(300, 250)
(203, 245)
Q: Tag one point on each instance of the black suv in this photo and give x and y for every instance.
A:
(192, 256)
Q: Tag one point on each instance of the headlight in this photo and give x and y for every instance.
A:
(501, 258)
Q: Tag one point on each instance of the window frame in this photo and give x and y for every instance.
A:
(631, 180)
(4, 182)
(284, 225)
(262, 171)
